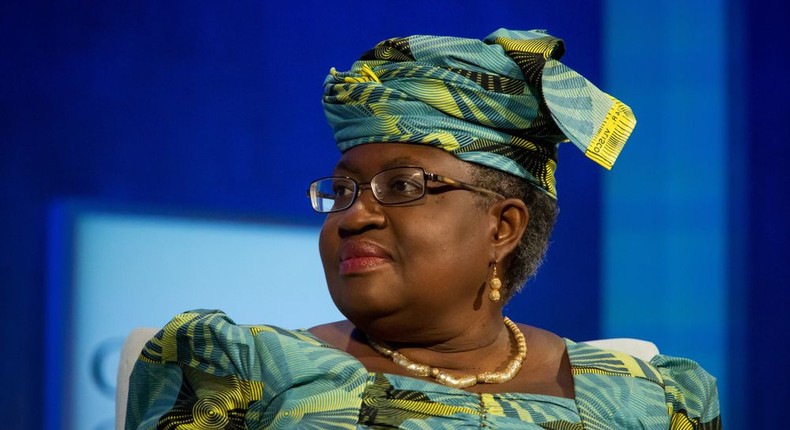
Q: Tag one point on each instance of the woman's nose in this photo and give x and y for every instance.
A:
(366, 212)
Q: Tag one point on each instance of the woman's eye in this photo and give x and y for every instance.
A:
(405, 186)
(340, 190)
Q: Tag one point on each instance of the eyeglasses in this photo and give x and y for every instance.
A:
(390, 187)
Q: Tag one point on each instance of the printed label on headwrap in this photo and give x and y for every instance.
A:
(610, 138)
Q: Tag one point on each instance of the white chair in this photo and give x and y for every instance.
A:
(641, 349)
(137, 339)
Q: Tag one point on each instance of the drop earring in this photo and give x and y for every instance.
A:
(495, 284)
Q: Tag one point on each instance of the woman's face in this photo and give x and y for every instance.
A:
(423, 265)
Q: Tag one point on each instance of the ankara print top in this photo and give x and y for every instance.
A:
(203, 371)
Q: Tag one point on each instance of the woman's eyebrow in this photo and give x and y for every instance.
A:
(342, 165)
(400, 162)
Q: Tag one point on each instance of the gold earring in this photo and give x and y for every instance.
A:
(495, 284)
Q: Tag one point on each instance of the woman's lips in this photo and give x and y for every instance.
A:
(361, 256)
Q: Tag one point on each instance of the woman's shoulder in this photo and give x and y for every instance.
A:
(233, 370)
(689, 392)
(207, 336)
(595, 358)
(660, 368)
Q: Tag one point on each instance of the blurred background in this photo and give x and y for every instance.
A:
(143, 140)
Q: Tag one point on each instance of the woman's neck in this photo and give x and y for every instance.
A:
(481, 345)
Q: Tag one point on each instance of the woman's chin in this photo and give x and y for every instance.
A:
(363, 310)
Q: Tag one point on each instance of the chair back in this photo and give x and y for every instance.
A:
(641, 349)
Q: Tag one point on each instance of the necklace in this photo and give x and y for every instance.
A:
(463, 381)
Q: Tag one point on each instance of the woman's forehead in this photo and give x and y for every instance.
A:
(375, 157)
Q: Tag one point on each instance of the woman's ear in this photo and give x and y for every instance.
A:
(511, 217)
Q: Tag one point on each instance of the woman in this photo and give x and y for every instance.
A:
(439, 209)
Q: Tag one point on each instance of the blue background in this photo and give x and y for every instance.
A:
(213, 108)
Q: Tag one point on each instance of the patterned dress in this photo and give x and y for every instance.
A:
(203, 371)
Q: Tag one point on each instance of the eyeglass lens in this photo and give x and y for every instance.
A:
(392, 186)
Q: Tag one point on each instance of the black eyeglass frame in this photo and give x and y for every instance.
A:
(360, 186)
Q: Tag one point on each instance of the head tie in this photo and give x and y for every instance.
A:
(505, 102)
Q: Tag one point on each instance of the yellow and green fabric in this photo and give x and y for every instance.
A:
(504, 102)
(203, 371)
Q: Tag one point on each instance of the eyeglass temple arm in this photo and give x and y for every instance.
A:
(462, 185)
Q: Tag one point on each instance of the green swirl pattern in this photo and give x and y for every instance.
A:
(504, 102)
(202, 371)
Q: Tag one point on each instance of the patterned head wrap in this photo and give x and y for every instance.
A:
(505, 102)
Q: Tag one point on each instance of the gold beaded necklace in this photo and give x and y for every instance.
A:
(464, 381)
